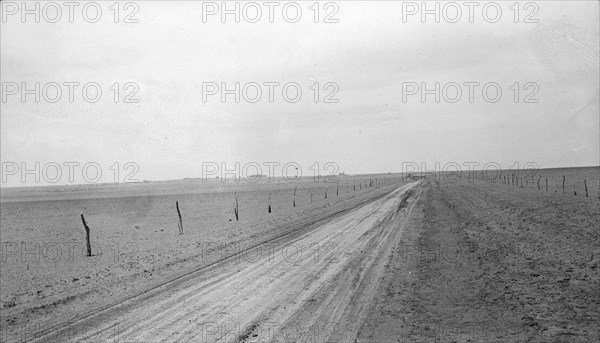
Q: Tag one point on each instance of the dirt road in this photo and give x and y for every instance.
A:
(311, 287)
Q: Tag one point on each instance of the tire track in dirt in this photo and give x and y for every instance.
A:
(333, 281)
(342, 302)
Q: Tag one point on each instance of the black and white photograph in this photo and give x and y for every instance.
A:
(309, 171)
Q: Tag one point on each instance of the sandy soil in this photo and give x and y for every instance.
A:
(427, 261)
(136, 246)
(322, 287)
(483, 262)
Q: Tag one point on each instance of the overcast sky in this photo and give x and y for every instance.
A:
(369, 53)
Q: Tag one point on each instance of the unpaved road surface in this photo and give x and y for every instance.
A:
(311, 287)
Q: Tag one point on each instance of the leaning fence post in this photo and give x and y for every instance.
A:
(180, 221)
(87, 235)
(585, 185)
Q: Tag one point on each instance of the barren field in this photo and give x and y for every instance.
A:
(488, 262)
(396, 260)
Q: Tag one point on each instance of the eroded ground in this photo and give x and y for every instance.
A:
(486, 262)
(425, 261)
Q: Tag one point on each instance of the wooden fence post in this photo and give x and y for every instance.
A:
(87, 236)
(563, 184)
(180, 220)
(269, 202)
(585, 185)
(236, 209)
(294, 202)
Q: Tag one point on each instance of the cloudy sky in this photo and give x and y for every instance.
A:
(371, 56)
